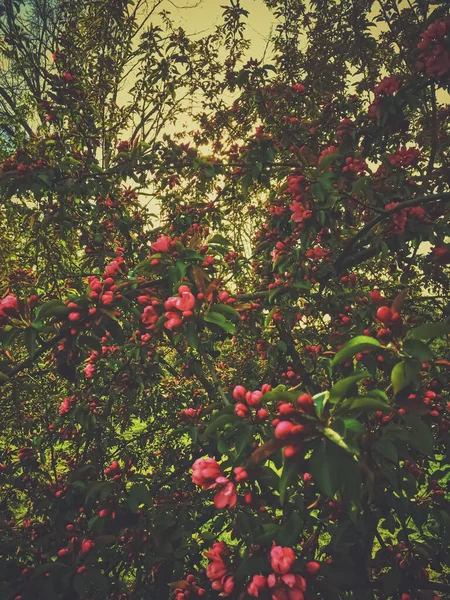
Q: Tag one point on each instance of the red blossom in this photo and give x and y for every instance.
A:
(281, 559)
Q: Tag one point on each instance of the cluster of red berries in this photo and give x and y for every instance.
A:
(288, 424)
(246, 401)
(434, 58)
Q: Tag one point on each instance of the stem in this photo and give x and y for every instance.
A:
(434, 131)
(215, 379)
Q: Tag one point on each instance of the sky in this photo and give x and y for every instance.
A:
(200, 17)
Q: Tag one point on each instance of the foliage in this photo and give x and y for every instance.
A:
(249, 399)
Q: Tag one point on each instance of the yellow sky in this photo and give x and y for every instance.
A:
(200, 17)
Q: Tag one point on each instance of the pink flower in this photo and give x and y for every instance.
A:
(239, 393)
(216, 570)
(283, 430)
(123, 146)
(145, 300)
(186, 301)
(241, 410)
(240, 474)
(299, 212)
(173, 320)
(441, 255)
(253, 398)
(89, 371)
(287, 587)
(226, 496)
(162, 244)
(306, 403)
(63, 552)
(107, 298)
(149, 316)
(329, 150)
(281, 559)
(387, 86)
(227, 585)
(219, 550)
(257, 584)
(404, 157)
(262, 413)
(87, 546)
(205, 472)
(375, 296)
(8, 306)
(66, 405)
(298, 87)
(296, 185)
(112, 268)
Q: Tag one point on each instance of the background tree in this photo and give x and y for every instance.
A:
(264, 376)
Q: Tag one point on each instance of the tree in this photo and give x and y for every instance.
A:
(250, 399)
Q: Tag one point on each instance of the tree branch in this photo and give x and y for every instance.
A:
(39, 352)
(444, 197)
(434, 131)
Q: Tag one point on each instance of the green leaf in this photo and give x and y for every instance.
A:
(418, 349)
(220, 422)
(391, 580)
(218, 319)
(328, 160)
(420, 436)
(282, 346)
(403, 374)
(353, 425)
(337, 439)
(363, 404)
(387, 449)
(114, 329)
(429, 330)
(323, 468)
(100, 489)
(280, 393)
(80, 585)
(139, 494)
(288, 476)
(52, 308)
(7, 335)
(340, 388)
(268, 318)
(276, 292)
(218, 239)
(349, 478)
(290, 531)
(360, 185)
(320, 401)
(244, 437)
(378, 394)
(227, 311)
(354, 346)
(99, 580)
(89, 341)
(30, 335)
(192, 335)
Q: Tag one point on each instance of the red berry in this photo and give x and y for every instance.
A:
(384, 314)
(312, 568)
(283, 430)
